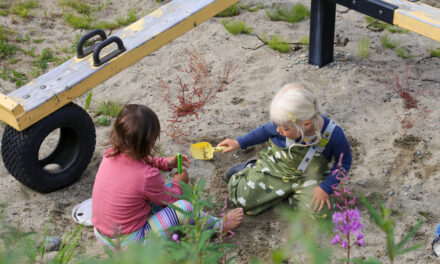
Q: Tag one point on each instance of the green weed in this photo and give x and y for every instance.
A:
(251, 8)
(401, 52)
(435, 52)
(131, 17)
(295, 14)
(25, 39)
(45, 57)
(7, 50)
(4, 12)
(387, 42)
(363, 47)
(277, 42)
(305, 41)
(22, 9)
(37, 41)
(233, 10)
(109, 108)
(78, 22)
(377, 25)
(30, 52)
(82, 8)
(236, 27)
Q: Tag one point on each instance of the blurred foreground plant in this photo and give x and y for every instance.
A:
(382, 219)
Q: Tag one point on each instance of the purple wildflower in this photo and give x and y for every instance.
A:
(336, 240)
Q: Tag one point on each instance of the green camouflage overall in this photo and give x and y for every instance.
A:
(277, 177)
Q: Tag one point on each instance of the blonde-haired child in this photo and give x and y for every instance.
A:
(294, 167)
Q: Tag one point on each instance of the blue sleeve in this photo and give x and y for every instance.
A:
(258, 135)
(338, 145)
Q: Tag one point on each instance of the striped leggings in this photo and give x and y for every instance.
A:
(158, 223)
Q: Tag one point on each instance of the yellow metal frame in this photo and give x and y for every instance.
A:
(13, 113)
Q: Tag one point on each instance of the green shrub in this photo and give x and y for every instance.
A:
(236, 27)
(7, 50)
(277, 42)
(295, 14)
(363, 47)
(387, 42)
(233, 10)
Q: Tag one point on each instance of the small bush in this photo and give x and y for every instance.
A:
(236, 27)
(296, 14)
(277, 42)
(363, 47)
(435, 52)
(109, 108)
(387, 42)
(233, 10)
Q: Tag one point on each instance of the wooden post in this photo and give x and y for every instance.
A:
(322, 32)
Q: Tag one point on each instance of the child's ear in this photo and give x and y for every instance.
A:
(308, 124)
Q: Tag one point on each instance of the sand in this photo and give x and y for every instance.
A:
(399, 164)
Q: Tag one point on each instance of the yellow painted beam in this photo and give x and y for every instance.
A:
(417, 17)
(22, 120)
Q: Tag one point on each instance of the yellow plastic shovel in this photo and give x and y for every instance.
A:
(204, 150)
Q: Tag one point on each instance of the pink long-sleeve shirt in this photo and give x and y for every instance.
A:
(123, 191)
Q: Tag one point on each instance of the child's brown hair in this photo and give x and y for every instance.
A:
(135, 132)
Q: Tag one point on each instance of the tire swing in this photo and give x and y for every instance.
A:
(73, 149)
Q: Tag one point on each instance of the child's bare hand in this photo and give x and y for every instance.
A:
(182, 176)
(320, 198)
(231, 145)
(172, 161)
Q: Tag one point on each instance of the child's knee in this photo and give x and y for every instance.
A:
(184, 205)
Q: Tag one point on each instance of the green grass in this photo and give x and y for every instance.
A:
(78, 22)
(45, 57)
(401, 52)
(377, 25)
(295, 14)
(251, 8)
(277, 42)
(236, 27)
(88, 22)
(23, 8)
(7, 50)
(387, 42)
(13, 76)
(233, 10)
(363, 47)
(435, 52)
(305, 41)
(109, 108)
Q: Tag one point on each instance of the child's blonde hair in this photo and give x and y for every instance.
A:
(293, 104)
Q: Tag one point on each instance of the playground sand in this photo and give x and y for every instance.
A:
(399, 164)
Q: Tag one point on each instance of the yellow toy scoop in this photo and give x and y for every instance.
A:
(204, 150)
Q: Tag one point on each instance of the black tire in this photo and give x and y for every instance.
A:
(72, 153)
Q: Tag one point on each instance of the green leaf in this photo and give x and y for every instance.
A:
(370, 260)
(88, 100)
(377, 218)
(401, 252)
(410, 234)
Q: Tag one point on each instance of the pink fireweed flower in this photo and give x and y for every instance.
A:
(346, 223)
(176, 238)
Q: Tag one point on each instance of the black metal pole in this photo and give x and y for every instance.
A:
(322, 32)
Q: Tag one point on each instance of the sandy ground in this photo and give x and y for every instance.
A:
(400, 165)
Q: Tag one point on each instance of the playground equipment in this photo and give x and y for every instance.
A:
(409, 14)
(44, 105)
